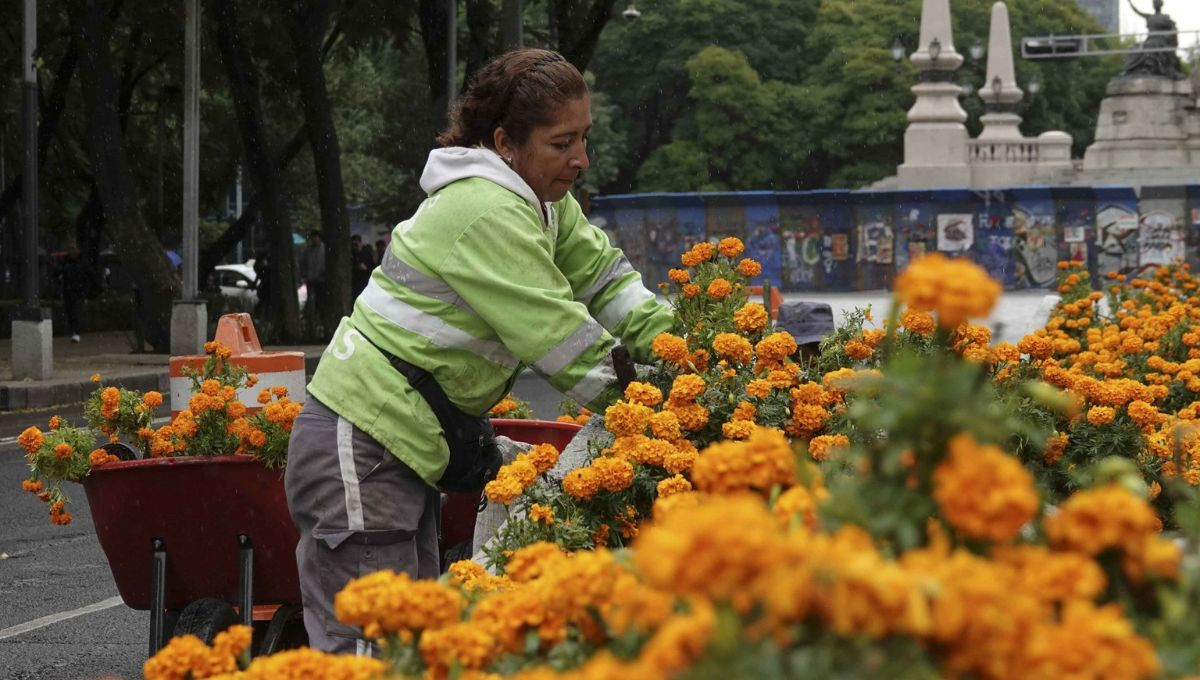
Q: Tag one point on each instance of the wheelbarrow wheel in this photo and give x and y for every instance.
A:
(205, 618)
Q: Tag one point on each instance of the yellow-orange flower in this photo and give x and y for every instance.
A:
(749, 268)
(719, 288)
(691, 290)
(776, 347)
(820, 448)
(733, 347)
(730, 247)
(670, 347)
(680, 276)
(152, 399)
(643, 393)
(957, 289)
(1100, 415)
(751, 318)
(982, 491)
(31, 439)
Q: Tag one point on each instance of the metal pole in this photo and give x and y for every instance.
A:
(510, 19)
(29, 183)
(191, 148)
(237, 208)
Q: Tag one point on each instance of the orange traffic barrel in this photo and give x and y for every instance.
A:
(274, 369)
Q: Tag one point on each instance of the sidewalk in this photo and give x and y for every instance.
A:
(110, 355)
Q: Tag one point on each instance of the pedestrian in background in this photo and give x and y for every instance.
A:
(262, 284)
(312, 268)
(380, 249)
(362, 261)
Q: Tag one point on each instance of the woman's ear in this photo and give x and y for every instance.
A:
(503, 144)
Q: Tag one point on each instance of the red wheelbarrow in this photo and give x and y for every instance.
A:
(187, 536)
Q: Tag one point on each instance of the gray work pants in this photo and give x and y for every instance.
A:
(358, 509)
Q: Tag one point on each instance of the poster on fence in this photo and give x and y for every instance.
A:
(956, 233)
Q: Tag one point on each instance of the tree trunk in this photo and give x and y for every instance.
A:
(306, 21)
(260, 164)
(137, 247)
(432, 15)
(579, 25)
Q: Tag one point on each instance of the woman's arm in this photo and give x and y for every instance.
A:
(1138, 11)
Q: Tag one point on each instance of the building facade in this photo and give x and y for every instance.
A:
(1107, 12)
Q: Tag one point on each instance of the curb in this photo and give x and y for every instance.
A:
(34, 395)
(17, 397)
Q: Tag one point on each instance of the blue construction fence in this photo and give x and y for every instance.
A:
(835, 240)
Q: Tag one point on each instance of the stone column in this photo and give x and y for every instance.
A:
(935, 143)
(1002, 156)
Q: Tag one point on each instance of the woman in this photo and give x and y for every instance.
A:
(498, 269)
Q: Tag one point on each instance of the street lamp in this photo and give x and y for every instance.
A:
(631, 12)
(935, 49)
(966, 88)
(897, 50)
(997, 86)
(976, 50)
(1035, 85)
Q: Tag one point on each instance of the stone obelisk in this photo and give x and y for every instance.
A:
(1000, 92)
(935, 143)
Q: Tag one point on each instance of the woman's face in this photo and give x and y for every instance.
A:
(552, 158)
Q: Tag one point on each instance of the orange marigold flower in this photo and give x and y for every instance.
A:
(858, 350)
(152, 399)
(626, 418)
(737, 429)
(776, 346)
(763, 460)
(1055, 446)
(1100, 415)
(264, 396)
(110, 395)
(31, 439)
(643, 393)
(691, 290)
(680, 276)
(957, 289)
(820, 448)
(279, 391)
(235, 409)
(759, 388)
(704, 251)
(673, 485)
(749, 268)
(581, 483)
(210, 387)
(1036, 346)
(1099, 519)
(97, 457)
(719, 288)
(751, 318)
(541, 513)
(32, 485)
(251, 380)
(730, 247)
(686, 387)
(613, 474)
(95, 377)
(55, 422)
(665, 425)
(670, 347)
(692, 416)
(63, 451)
(982, 491)
(744, 411)
(733, 347)
(918, 322)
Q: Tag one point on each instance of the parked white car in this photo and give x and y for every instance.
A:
(240, 282)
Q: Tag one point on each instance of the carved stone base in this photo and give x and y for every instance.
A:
(1144, 123)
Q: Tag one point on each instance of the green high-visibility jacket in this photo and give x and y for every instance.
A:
(480, 282)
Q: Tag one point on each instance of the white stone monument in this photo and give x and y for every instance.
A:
(935, 143)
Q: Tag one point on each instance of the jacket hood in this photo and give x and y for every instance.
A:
(453, 163)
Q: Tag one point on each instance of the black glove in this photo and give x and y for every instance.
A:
(623, 364)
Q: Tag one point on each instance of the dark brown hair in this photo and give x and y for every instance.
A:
(518, 91)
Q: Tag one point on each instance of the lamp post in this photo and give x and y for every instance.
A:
(935, 49)
(976, 50)
(897, 50)
(631, 12)
(1035, 85)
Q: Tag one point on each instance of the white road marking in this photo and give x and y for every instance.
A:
(52, 619)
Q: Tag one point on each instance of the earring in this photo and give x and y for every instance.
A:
(508, 160)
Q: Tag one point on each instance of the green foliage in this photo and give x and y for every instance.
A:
(804, 94)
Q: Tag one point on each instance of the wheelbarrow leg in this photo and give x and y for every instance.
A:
(278, 626)
(246, 582)
(158, 596)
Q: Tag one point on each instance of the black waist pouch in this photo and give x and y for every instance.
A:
(474, 457)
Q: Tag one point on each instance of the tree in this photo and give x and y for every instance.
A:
(261, 164)
(137, 246)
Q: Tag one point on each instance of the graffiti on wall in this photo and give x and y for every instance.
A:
(800, 249)
(1159, 240)
(994, 245)
(1034, 248)
(875, 241)
(1116, 239)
